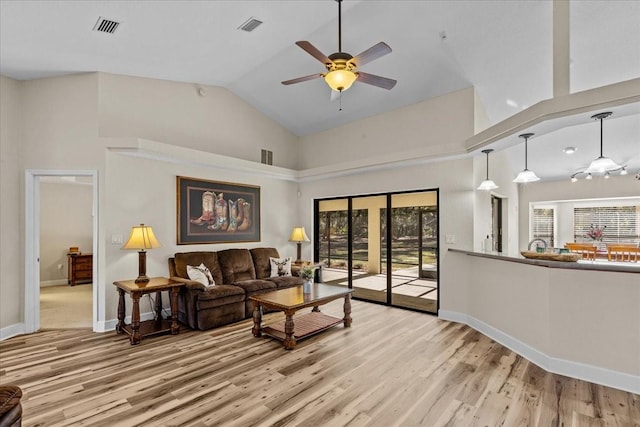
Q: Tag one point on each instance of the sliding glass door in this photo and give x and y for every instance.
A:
(395, 264)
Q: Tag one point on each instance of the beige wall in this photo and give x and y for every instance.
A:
(217, 121)
(429, 128)
(11, 289)
(152, 200)
(65, 220)
(456, 204)
(59, 124)
(565, 315)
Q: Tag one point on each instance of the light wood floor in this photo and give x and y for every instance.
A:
(393, 367)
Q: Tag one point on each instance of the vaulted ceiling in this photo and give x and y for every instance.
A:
(502, 48)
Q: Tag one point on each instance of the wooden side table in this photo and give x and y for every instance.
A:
(137, 330)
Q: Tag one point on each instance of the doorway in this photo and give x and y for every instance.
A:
(46, 261)
(384, 247)
(496, 223)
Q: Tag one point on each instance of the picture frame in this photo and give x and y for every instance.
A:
(216, 212)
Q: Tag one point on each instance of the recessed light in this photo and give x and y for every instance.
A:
(512, 103)
(569, 150)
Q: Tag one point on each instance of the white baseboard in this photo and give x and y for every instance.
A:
(56, 282)
(110, 325)
(578, 370)
(12, 331)
(106, 326)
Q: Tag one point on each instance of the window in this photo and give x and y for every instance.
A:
(622, 223)
(542, 226)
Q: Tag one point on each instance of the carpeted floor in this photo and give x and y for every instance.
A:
(65, 307)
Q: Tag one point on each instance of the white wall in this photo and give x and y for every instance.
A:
(11, 248)
(65, 220)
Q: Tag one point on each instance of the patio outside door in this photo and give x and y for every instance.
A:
(396, 265)
(413, 248)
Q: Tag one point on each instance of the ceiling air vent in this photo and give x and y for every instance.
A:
(250, 24)
(105, 25)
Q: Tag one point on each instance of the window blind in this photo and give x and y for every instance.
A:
(622, 223)
(543, 225)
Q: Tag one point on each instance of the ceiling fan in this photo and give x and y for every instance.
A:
(342, 67)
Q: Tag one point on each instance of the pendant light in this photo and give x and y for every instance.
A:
(602, 164)
(526, 175)
(487, 184)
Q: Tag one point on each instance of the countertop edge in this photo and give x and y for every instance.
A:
(553, 264)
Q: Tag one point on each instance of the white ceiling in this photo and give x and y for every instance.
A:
(503, 48)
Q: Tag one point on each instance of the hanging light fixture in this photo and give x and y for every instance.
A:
(526, 175)
(602, 164)
(487, 184)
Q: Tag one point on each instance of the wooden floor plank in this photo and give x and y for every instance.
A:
(391, 368)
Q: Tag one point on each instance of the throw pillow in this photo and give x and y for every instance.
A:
(200, 274)
(280, 266)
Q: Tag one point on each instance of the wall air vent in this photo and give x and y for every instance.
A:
(250, 24)
(104, 25)
(266, 157)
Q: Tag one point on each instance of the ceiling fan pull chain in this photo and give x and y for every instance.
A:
(340, 100)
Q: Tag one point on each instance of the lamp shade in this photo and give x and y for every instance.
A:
(601, 165)
(487, 185)
(526, 176)
(298, 235)
(340, 80)
(141, 237)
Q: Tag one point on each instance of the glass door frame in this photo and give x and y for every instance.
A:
(388, 237)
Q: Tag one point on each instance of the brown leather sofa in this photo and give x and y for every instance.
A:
(238, 274)
(10, 406)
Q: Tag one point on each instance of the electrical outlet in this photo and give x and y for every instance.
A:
(59, 266)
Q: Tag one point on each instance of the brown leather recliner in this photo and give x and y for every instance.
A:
(10, 407)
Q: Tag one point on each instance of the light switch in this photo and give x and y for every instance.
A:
(116, 239)
(450, 238)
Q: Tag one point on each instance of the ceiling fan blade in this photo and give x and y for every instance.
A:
(313, 51)
(302, 79)
(374, 52)
(372, 79)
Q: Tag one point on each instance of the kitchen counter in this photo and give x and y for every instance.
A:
(597, 265)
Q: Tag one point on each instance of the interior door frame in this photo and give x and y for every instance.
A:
(32, 244)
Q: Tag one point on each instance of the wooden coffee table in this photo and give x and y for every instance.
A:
(293, 299)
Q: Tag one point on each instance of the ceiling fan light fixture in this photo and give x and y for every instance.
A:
(340, 80)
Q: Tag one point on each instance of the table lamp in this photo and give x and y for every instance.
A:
(298, 235)
(142, 238)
